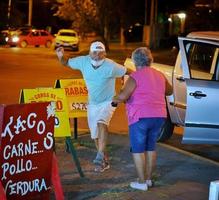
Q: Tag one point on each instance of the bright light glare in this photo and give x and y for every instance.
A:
(181, 15)
(169, 19)
(15, 39)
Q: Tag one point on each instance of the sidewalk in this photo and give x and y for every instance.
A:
(178, 176)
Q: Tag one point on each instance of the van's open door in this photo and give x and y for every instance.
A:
(202, 110)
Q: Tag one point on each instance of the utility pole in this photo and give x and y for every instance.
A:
(153, 24)
(9, 11)
(146, 30)
(149, 34)
(30, 11)
(216, 4)
(146, 12)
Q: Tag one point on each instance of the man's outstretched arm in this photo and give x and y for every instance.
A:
(61, 57)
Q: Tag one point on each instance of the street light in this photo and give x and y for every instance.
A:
(181, 15)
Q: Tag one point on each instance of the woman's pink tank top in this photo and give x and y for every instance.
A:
(148, 98)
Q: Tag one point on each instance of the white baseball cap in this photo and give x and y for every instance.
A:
(97, 46)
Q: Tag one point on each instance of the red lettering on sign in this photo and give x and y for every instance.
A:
(53, 96)
(59, 105)
(76, 91)
(41, 95)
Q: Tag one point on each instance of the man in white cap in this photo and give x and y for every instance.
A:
(99, 74)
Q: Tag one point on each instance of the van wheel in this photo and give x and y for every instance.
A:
(23, 44)
(166, 130)
(48, 44)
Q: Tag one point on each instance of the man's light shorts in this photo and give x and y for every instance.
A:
(100, 113)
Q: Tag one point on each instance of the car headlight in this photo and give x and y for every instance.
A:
(15, 39)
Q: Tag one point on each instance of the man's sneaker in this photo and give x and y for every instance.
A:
(102, 167)
(99, 158)
(149, 183)
(139, 186)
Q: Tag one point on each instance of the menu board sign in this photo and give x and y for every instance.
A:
(26, 150)
(77, 96)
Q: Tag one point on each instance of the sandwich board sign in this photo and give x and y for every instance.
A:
(62, 126)
(26, 150)
(77, 94)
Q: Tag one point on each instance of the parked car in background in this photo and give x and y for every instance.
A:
(11, 31)
(3, 37)
(31, 37)
(67, 38)
(194, 104)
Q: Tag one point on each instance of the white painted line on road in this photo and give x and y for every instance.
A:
(189, 154)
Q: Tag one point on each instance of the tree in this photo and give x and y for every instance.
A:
(3, 14)
(83, 14)
(106, 18)
(16, 17)
(99, 16)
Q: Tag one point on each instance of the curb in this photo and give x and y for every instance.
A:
(197, 157)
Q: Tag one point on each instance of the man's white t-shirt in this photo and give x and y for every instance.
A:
(101, 81)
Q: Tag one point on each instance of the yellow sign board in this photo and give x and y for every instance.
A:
(76, 94)
(62, 126)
